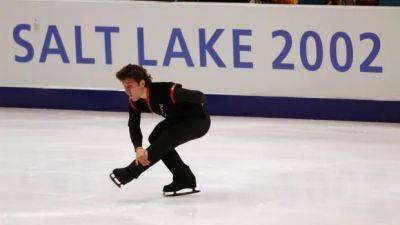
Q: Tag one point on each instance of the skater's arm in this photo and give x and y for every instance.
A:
(134, 128)
(186, 95)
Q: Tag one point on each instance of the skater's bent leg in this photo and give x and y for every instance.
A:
(176, 135)
(175, 164)
(172, 160)
(173, 136)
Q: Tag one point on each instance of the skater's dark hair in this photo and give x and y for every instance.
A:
(135, 72)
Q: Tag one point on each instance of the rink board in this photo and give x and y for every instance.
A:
(225, 105)
(319, 62)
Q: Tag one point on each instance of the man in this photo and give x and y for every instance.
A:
(185, 120)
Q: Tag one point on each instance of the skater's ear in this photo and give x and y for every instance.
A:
(142, 83)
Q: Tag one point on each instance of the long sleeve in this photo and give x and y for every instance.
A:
(185, 95)
(134, 128)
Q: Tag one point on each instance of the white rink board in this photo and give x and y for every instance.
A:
(253, 26)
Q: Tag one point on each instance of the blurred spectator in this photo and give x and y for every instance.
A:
(322, 2)
(389, 2)
(303, 2)
(274, 1)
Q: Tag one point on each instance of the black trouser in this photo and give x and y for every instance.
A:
(166, 136)
(171, 159)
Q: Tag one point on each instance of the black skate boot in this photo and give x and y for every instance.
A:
(122, 176)
(179, 183)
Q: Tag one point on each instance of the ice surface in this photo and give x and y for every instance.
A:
(54, 168)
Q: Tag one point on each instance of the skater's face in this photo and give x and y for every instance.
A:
(133, 89)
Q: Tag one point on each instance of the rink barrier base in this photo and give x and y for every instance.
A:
(224, 105)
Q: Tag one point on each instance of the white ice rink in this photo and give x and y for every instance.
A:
(54, 168)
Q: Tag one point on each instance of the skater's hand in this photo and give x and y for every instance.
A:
(142, 157)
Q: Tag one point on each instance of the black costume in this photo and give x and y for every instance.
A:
(185, 120)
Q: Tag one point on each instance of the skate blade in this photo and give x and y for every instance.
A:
(115, 180)
(175, 193)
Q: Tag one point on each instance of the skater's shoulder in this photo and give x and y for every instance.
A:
(161, 84)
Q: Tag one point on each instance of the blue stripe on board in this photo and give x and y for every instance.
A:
(227, 105)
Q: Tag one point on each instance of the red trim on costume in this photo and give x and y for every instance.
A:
(132, 105)
(171, 93)
(148, 99)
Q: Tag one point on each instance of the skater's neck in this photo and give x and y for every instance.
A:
(144, 93)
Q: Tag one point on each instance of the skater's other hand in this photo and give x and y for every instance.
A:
(142, 157)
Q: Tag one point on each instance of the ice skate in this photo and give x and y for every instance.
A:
(180, 186)
(121, 176)
(178, 189)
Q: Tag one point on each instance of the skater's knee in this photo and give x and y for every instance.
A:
(151, 140)
(153, 137)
